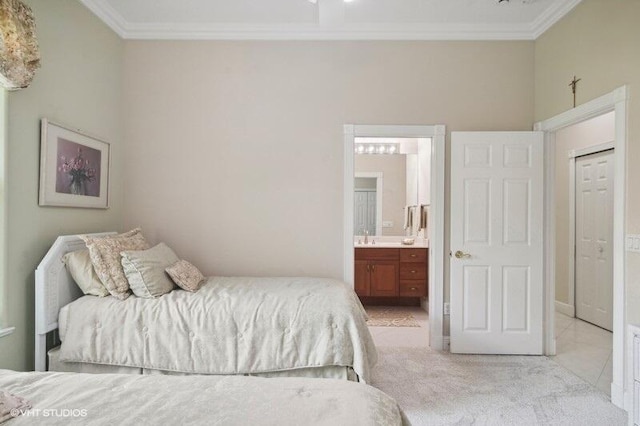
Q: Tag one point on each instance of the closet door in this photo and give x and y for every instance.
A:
(360, 216)
(371, 212)
(594, 235)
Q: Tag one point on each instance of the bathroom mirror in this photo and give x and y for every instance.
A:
(390, 175)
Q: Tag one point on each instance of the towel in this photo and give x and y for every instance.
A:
(424, 211)
(11, 406)
(408, 217)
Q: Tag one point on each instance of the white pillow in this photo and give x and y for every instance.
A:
(79, 265)
(145, 270)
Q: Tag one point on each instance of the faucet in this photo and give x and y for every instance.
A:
(366, 236)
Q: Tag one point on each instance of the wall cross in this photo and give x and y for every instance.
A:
(574, 85)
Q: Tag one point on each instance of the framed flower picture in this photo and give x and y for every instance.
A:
(74, 168)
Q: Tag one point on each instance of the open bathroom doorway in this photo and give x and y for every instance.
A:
(394, 242)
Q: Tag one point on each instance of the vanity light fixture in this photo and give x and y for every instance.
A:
(316, 1)
(376, 148)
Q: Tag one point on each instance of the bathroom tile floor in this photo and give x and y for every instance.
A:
(582, 348)
(585, 350)
(404, 337)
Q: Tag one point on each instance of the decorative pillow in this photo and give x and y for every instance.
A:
(81, 269)
(145, 270)
(187, 276)
(105, 256)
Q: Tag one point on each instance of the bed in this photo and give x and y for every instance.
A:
(301, 327)
(122, 399)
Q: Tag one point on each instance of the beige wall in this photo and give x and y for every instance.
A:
(234, 151)
(589, 133)
(598, 41)
(394, 181)
(79, 84)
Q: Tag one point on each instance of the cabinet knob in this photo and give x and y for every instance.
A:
(414, 288)
(414, 271)
(412, 255)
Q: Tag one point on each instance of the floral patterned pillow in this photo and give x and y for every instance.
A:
(105, 257)
(185, 275)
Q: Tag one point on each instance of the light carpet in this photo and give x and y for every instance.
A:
(435, 388)
(383, 316)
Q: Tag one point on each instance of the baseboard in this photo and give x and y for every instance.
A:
(566, 309)
(621, 399)
(424, 304)
(437, 343)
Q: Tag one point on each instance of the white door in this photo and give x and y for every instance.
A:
(364, 217)
(594, 235)
(371, 212)
(496, 242)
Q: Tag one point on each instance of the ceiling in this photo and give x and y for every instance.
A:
(330, 19)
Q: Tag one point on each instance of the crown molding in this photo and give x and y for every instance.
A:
(108, 15)
(436, 32)
(551, 16)
(314, 32)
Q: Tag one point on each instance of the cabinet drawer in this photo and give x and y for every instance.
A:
(413, 288)
(409, 271)
(413, 255)
(377, 254)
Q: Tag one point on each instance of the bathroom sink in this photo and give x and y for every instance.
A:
(391, 244)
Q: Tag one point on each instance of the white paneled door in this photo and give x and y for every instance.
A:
(496, 242)
(364, 217)
(594, 234)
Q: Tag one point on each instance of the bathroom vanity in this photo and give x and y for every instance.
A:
(385, 271)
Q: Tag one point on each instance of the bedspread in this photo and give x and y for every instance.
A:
(233, 325)
(112, 399)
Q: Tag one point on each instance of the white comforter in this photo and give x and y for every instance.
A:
(231, 326)
(111, 399)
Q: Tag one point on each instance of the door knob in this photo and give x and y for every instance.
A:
(462, 255)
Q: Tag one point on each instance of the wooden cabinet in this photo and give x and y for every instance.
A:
(376, 272)
(391, 272)
(383, 277)
(413, 272)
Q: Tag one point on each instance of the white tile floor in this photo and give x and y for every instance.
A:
(404, 337)
(581, 347)
(585, 350)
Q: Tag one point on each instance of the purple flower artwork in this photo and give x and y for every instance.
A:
(78, 169)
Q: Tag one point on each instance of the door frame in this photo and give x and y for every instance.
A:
(379, 177)
(617, 101)
(436, 229)
(570, 310)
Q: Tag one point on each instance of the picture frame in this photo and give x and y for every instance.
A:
(74, 168)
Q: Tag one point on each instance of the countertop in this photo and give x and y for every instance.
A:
(384, 243)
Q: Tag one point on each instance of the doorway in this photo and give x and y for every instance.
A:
(584, 179)
(558, 312)
(434, 185)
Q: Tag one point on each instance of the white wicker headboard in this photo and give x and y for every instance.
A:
(54, 289)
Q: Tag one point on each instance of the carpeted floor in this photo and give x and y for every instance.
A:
(394, 316)
(436, 388)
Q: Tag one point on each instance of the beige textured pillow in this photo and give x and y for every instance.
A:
(145, 270)
(81, 269)
(105, 256)
(187, 276)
